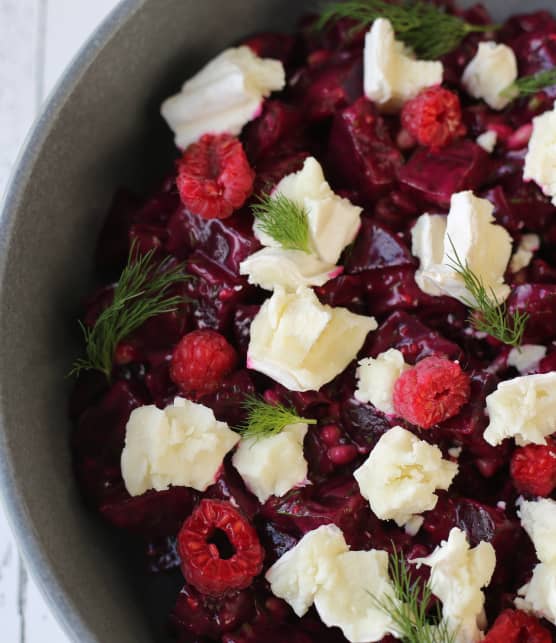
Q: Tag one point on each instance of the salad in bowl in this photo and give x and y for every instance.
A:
(318, 383)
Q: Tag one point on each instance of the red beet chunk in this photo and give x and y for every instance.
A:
(434, 175)
(216, 292)
(227, 242)
(203, 615)
(272, 45)
(154, 514)
(361, 154)
(376, 247)
(407, 334)
(324, 89)
(278, 122)
(347, 291)
(539, 301)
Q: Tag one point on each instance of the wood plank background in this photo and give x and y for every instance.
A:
(37, 40)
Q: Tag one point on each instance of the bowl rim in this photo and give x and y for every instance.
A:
(28, 540)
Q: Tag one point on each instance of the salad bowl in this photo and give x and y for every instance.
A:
(100, 129)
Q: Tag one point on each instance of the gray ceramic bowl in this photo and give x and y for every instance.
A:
(100, 129)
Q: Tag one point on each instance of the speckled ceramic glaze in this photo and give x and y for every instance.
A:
(100, 129)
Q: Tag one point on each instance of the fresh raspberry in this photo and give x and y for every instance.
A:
(433, 117)
(219, 549)
(214, 176)
(200, 362)
(513, 626)
(431, 392)
(533, 469)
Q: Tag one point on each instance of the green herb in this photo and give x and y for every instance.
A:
(531, 84)
(141, 293)
(493, 317)
(264, 420)
(284, 220)
(426, 28)
(409, 607)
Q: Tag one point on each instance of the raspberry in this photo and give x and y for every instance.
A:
(214, 176)
(433, 117)
(200, 362)
(533, 469)
(219, 549)
(517, 627)
(431, 392)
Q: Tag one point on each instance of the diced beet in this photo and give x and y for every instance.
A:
(347, 291)
(468, 426)
(215, 291)
(376, 247)
(336, 501)
(539, 302)
(434, 175)
(339, 35)
(227, 402)
(207, 616)
(278, 121)
(325, 89)
(100, 431)
(519, 205)
(364, 424)
(228, 242)
(540, 22)
(230, 487)
(278, 46)
(408, 335)
(154, 514)
(275, 541)
(361, 154)
(147, 237)
(535, 52)
(396, 210)
(271, 170)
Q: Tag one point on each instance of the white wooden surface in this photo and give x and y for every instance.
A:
(37, 40)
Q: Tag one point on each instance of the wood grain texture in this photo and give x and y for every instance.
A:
(38, 38)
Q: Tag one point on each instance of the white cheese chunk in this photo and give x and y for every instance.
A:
(345, 601)
(223, 96)
(401, 475)
(301, 572)
(525, 252)
(539, 595)
(333, 220)
(526, 357)
(182, 445)
(540, 161)
(487, 140)
(523, 408)
(303, 344)
(458, 573)
(291, 269)
(490, 72)
(271, 466)
(392, 76)
(376, 379)
(478, 242)
(538, 518)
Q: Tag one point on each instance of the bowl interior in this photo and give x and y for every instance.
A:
(100, 130)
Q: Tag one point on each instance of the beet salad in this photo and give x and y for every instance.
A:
(318, 381)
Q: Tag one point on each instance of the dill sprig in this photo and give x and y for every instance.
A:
(527, 85)
(493, 317)
(409, 607)
(264, 420)
(429, 30)
(141, 293)
(284, 220)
